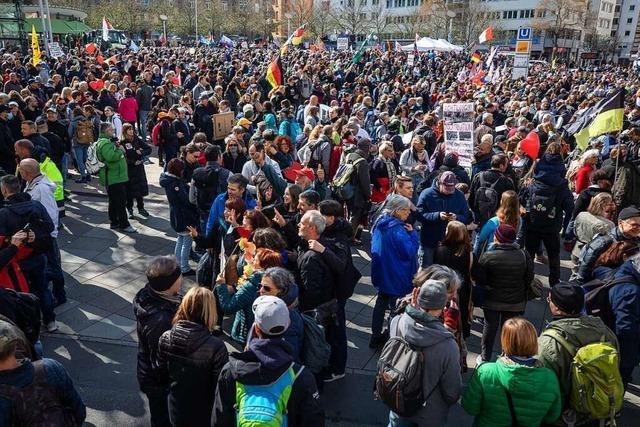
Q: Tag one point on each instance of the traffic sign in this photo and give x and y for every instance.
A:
(524, 33)
(521, 61)
(523, 46)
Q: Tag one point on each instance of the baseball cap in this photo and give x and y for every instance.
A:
(448, 179)
(271, 315)
(629, 212)
(432, 295)
(308, 172)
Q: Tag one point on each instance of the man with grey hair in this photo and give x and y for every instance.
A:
(421, 327)
(486, 128)
(154, 307)
(319, 265)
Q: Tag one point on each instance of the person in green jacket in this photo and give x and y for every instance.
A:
(566, 302)
(239, 299)
(518, 377)
(114, 177)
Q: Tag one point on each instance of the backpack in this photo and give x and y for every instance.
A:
(370, 124)
(596, 384)
(84, 132)
(207, 188)
(315, 153)
(398, 380)
(596, 298)
(155, 134)
(315, 351)
(23, 309)
(542, 209)
(341, 184)
(487, 200)
(39, 404)
(93, 164)
(265, 405)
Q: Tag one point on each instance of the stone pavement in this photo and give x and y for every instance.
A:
(97, 338)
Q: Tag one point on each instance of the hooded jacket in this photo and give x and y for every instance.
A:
(393, 256)
(534, 390)
(194, 358)
(430, 203)
(441, 379)
(153, 316)
(625, 305)
(263, 363)
(41, 189)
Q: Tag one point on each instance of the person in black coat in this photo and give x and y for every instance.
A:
(182, 213)
(154, 307)
(135, 152)
(233, 158)
(7, 154)
(194, 357)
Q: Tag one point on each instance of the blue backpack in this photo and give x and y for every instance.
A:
(265, 405)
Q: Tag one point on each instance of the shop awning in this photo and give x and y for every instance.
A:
(58, 26)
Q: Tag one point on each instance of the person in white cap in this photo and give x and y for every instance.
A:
(266, 368)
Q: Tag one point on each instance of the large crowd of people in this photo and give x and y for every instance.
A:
(341, 153)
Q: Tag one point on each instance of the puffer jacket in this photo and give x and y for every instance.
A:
(153, 314)
(194, 358)
(441, 379)
(625, 305)
(534, 390)
(592, 251)
(240, 304)
(578, 331)
(505, 272)
(393, 256)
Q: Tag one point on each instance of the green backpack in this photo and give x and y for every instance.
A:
(596, 384)
(265, 405)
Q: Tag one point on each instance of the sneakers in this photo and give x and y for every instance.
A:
(129, 230)
(131, 215)
(51, 326)
(143, 212)
(333, 377)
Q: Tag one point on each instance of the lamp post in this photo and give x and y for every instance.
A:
(164, 18)
(195, 2)
(288, 16)
(450, 14)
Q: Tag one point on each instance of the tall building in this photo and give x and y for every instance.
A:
(625, 30)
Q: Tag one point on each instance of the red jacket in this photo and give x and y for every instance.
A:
(128, 109)
(583, 177)
(11, 276)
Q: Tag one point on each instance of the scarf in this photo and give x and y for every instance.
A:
(391, 169)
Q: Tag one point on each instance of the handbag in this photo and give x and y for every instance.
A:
(204, 271)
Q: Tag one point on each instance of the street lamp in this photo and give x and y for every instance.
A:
(450, 14)
(164, 18)
(288, 16)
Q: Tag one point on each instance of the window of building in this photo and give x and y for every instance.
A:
(629, 20)
(375, 2)
(632, 7)
(626, 33)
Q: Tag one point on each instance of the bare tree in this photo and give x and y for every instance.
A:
(322, 20)
(351, 17)
(471, 19)
(378, 20)
(561, 17)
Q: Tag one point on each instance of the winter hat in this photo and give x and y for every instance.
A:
(451, 160)
(271, 315)
(432, 295)
(568, 297)
(505, 234)
(364, 144)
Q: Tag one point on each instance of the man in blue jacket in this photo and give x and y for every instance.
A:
(236, 187)
(437, 206)
(625, 306)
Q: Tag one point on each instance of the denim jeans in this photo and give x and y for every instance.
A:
(65, 166)
(384, 302)
(425, 255)
(34, 269)
(183, 247)
(142, 124)
(396, 420)
(170, 152)
(54, 271)
(80, 153)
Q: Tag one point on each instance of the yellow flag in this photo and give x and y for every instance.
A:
(35, 46)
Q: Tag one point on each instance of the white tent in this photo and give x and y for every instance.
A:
(428, 44)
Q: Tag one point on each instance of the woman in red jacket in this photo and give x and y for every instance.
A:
(128, 107)
(586, 165)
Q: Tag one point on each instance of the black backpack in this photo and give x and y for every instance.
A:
(487, 200)
(207, 183)
(542, 209)
(22, 309)
(596, 298)
(39, 404)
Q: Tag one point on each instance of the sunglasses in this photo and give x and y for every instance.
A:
(265, 287)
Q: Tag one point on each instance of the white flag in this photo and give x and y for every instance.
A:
(106, 26)
(134, 47)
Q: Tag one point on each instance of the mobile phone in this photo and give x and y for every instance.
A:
(27, 227)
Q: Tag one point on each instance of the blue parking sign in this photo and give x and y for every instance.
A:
(524, 33)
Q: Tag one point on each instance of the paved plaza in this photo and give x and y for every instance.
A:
(97, 339)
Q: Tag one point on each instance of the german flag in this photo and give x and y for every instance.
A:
(274, 72)
(604, 117)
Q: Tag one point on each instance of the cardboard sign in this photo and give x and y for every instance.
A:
(342, 43)
(458, 130)
(55, 50)
(222, 125)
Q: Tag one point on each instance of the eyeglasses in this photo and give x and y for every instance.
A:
(266, 288)
(633, 225)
